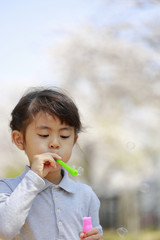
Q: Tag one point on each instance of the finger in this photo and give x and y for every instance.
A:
(55, 155)
(93, 234)
(93, 231)
(94, 237)
(48, 160)
(49, 164)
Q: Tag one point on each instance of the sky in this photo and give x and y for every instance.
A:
(29, 29)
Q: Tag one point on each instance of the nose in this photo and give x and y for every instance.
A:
(54, 144)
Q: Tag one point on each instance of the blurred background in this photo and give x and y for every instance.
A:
(106, 55)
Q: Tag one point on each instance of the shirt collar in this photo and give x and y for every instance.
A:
(66, 183)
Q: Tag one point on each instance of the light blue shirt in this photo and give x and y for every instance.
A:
(32, 208)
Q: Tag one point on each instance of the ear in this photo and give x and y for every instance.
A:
(75, 139)
(17, 138)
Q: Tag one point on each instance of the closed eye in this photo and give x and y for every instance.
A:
(65, 136)
(43, 136)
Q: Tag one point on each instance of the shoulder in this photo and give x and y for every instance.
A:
(83, 187)
(86, 192)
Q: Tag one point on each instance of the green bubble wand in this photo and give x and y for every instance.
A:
(73, 171)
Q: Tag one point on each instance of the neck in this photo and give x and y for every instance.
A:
(54, 177)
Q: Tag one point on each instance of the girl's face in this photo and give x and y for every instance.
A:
(47, 134)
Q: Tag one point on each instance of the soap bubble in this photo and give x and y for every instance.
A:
(80, 171)
(130, 145)
(122, 232)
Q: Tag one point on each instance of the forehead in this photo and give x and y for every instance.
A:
(43, 119)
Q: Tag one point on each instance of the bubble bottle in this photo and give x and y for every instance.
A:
(87, 224)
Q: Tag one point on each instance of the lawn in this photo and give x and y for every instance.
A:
(142, 235)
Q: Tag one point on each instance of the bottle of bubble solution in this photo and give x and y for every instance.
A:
(87, 224)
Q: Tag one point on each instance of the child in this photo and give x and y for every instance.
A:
(43, 203)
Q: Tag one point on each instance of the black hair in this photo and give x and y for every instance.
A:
(52, 101)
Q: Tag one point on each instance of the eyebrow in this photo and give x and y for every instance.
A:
(42, 127)
(49, 128)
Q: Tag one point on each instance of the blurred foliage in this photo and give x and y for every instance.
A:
(12, 172)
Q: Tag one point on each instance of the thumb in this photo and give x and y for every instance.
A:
(81, 235)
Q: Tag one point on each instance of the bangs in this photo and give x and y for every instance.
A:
(65, 112)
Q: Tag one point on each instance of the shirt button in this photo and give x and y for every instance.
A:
(60, 223)
(58, 210)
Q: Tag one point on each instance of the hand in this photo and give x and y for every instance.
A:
(43, 163)
(93, 234)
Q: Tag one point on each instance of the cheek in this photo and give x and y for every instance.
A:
(33, 148)
(66, 152)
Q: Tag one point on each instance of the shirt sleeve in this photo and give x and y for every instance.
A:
(15, 205)
(94, 211)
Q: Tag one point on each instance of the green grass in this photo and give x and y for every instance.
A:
(142, 235)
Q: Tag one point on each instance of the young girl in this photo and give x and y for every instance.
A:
(43, 203)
